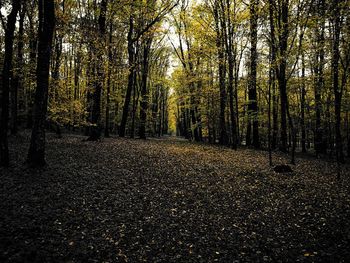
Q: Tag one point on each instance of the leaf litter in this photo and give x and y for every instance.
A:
(168, 200)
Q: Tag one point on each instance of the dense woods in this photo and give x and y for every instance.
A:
(269, 74)
(277, 64)
(174, 131)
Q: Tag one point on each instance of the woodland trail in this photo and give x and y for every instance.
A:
(166, 200)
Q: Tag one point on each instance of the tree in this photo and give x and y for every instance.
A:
(95, 131)
(231, 73)
(146, 43)
(252, 95)
(282, 67)
(17, 78)
(220, 27)
(319, 74)
(336, 21)
(108, 92)
(133, 37)
(6, 77)
(36, 154)
(144, 89)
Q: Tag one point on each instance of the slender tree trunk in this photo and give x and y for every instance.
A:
(318, 109)
(110, 57)
(33, 49)
(282, 81)
(223, 132)
(319, 78)
(273, 76)
(131, 57)
(220, 45)
(135, 99)
(36, 154)
(57, 63)
(164, 112)
(55, 73)
(269, 109)
(95, 131)
(335, 74)
(302, 106)
(252, 94)
(197, 112)
(90, 73)
(194, 123)
(6, 77)
(231, 77)
(193, 100)
(77, 65)
(17, 75)
(155, 98)
(236, 105)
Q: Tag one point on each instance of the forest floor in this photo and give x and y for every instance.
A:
(168, 200)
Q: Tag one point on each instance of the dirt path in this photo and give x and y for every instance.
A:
(122, 200)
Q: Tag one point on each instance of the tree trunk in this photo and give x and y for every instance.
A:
(302, 106)
(17, 85)
(273, 76)
(220, 45)
(110, 57)
(335, 74)
(269, 107)
(135, 99)
(131, 57)
(144, 88)
(164, 112)
(319, 78)
(33, 49)
(282, 81)
(252, 94)
(90, 73)
(6, 76)
(231, 61)
(95, 131)
(56, 64)
(36, 154)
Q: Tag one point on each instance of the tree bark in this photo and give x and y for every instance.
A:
(33, 50)
(282, 81)
(95, 131)
(36, 154)
(319, 77)
(252, 94)
(273, 75)
(6, 77)
(230, 56)
(302, 106)
(131, 58)
(335, 78)
(144, 88)
(220, 45)
(110, 57)
(17, 85)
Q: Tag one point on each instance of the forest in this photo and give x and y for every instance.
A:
(267, 74)
(174, 130)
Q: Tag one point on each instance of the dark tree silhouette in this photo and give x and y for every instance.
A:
(36, 154)
(6, 77)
